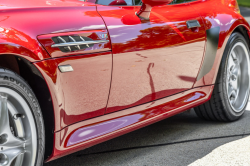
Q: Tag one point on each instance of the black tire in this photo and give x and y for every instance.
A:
(218, 108)
(11, 80)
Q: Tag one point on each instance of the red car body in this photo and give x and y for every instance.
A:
(146, 72)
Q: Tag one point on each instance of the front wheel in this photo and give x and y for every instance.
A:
(231, 90)
(21, 123)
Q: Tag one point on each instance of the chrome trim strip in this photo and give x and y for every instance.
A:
(83, 40)
(77, 46)
(60, 38)
(79, 43)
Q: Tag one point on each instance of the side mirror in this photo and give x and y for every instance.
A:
(147, 5)
(118, 2)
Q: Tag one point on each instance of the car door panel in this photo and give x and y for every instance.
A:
(155, 59)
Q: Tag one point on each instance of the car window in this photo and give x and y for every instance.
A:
(177, 1)
(115, 2)
(190, 0)
(132, 2)
(138, 2)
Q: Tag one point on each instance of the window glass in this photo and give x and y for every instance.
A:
(190, 0)
(138, 2)
(177, 1)
(130, 2)
(115, 2)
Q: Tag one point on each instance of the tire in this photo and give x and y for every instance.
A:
(231, 90)
(21, 124)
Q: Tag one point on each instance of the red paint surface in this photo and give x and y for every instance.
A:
(147, 5)
(146, 114)
(81, 94)
(19, 36)
(223, 15)
(154, 59)
(151, 60)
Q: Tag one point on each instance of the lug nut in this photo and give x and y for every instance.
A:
(3, 138)
(16, 116)
(233, 77)
(3, 159)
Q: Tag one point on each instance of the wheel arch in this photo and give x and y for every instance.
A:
(244, 32)
(34, 78)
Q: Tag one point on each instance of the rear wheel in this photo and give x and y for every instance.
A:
(231, 90)
(21, 123)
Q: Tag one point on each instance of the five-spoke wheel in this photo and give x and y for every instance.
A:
(238, 76)
(20, 120)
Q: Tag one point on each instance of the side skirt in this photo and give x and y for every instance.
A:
(93, 131)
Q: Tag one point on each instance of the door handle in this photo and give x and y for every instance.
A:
(193, 24)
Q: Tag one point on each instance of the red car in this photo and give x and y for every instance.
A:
(75, 73)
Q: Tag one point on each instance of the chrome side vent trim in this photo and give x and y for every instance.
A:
(79, 43)
(83, 40)
(74, 43)
(61, 39)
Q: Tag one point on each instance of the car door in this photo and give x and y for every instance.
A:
(151, 59)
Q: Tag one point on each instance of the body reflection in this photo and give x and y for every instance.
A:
(107, 127)
(149, 57)
(88, 133)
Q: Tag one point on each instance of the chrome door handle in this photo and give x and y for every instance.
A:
(193, 24)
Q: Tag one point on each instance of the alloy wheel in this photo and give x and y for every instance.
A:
(238, 77)
(18, 136)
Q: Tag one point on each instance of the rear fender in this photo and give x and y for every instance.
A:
(209, 78)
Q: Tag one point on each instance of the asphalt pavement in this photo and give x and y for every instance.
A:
(181, 140)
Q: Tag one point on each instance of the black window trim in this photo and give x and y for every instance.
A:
(133, 2)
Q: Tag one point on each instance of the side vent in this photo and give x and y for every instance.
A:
(74, 43)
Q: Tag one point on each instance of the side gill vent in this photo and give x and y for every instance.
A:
(72, 43)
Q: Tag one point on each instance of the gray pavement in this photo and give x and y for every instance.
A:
(177, 141)
(245, 12)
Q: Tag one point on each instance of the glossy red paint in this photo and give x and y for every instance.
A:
(26, 4)
(42, 17)
(81, 94)
(147, 5)
(220, 14)
(16, 42)
(46, 41)
(155, 59)
(56, 17)
(125, 121)
(154, 64)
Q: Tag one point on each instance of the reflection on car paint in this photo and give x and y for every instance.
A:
(195, 97)
(88, 133)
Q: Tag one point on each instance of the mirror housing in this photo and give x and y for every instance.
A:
(147, 5)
